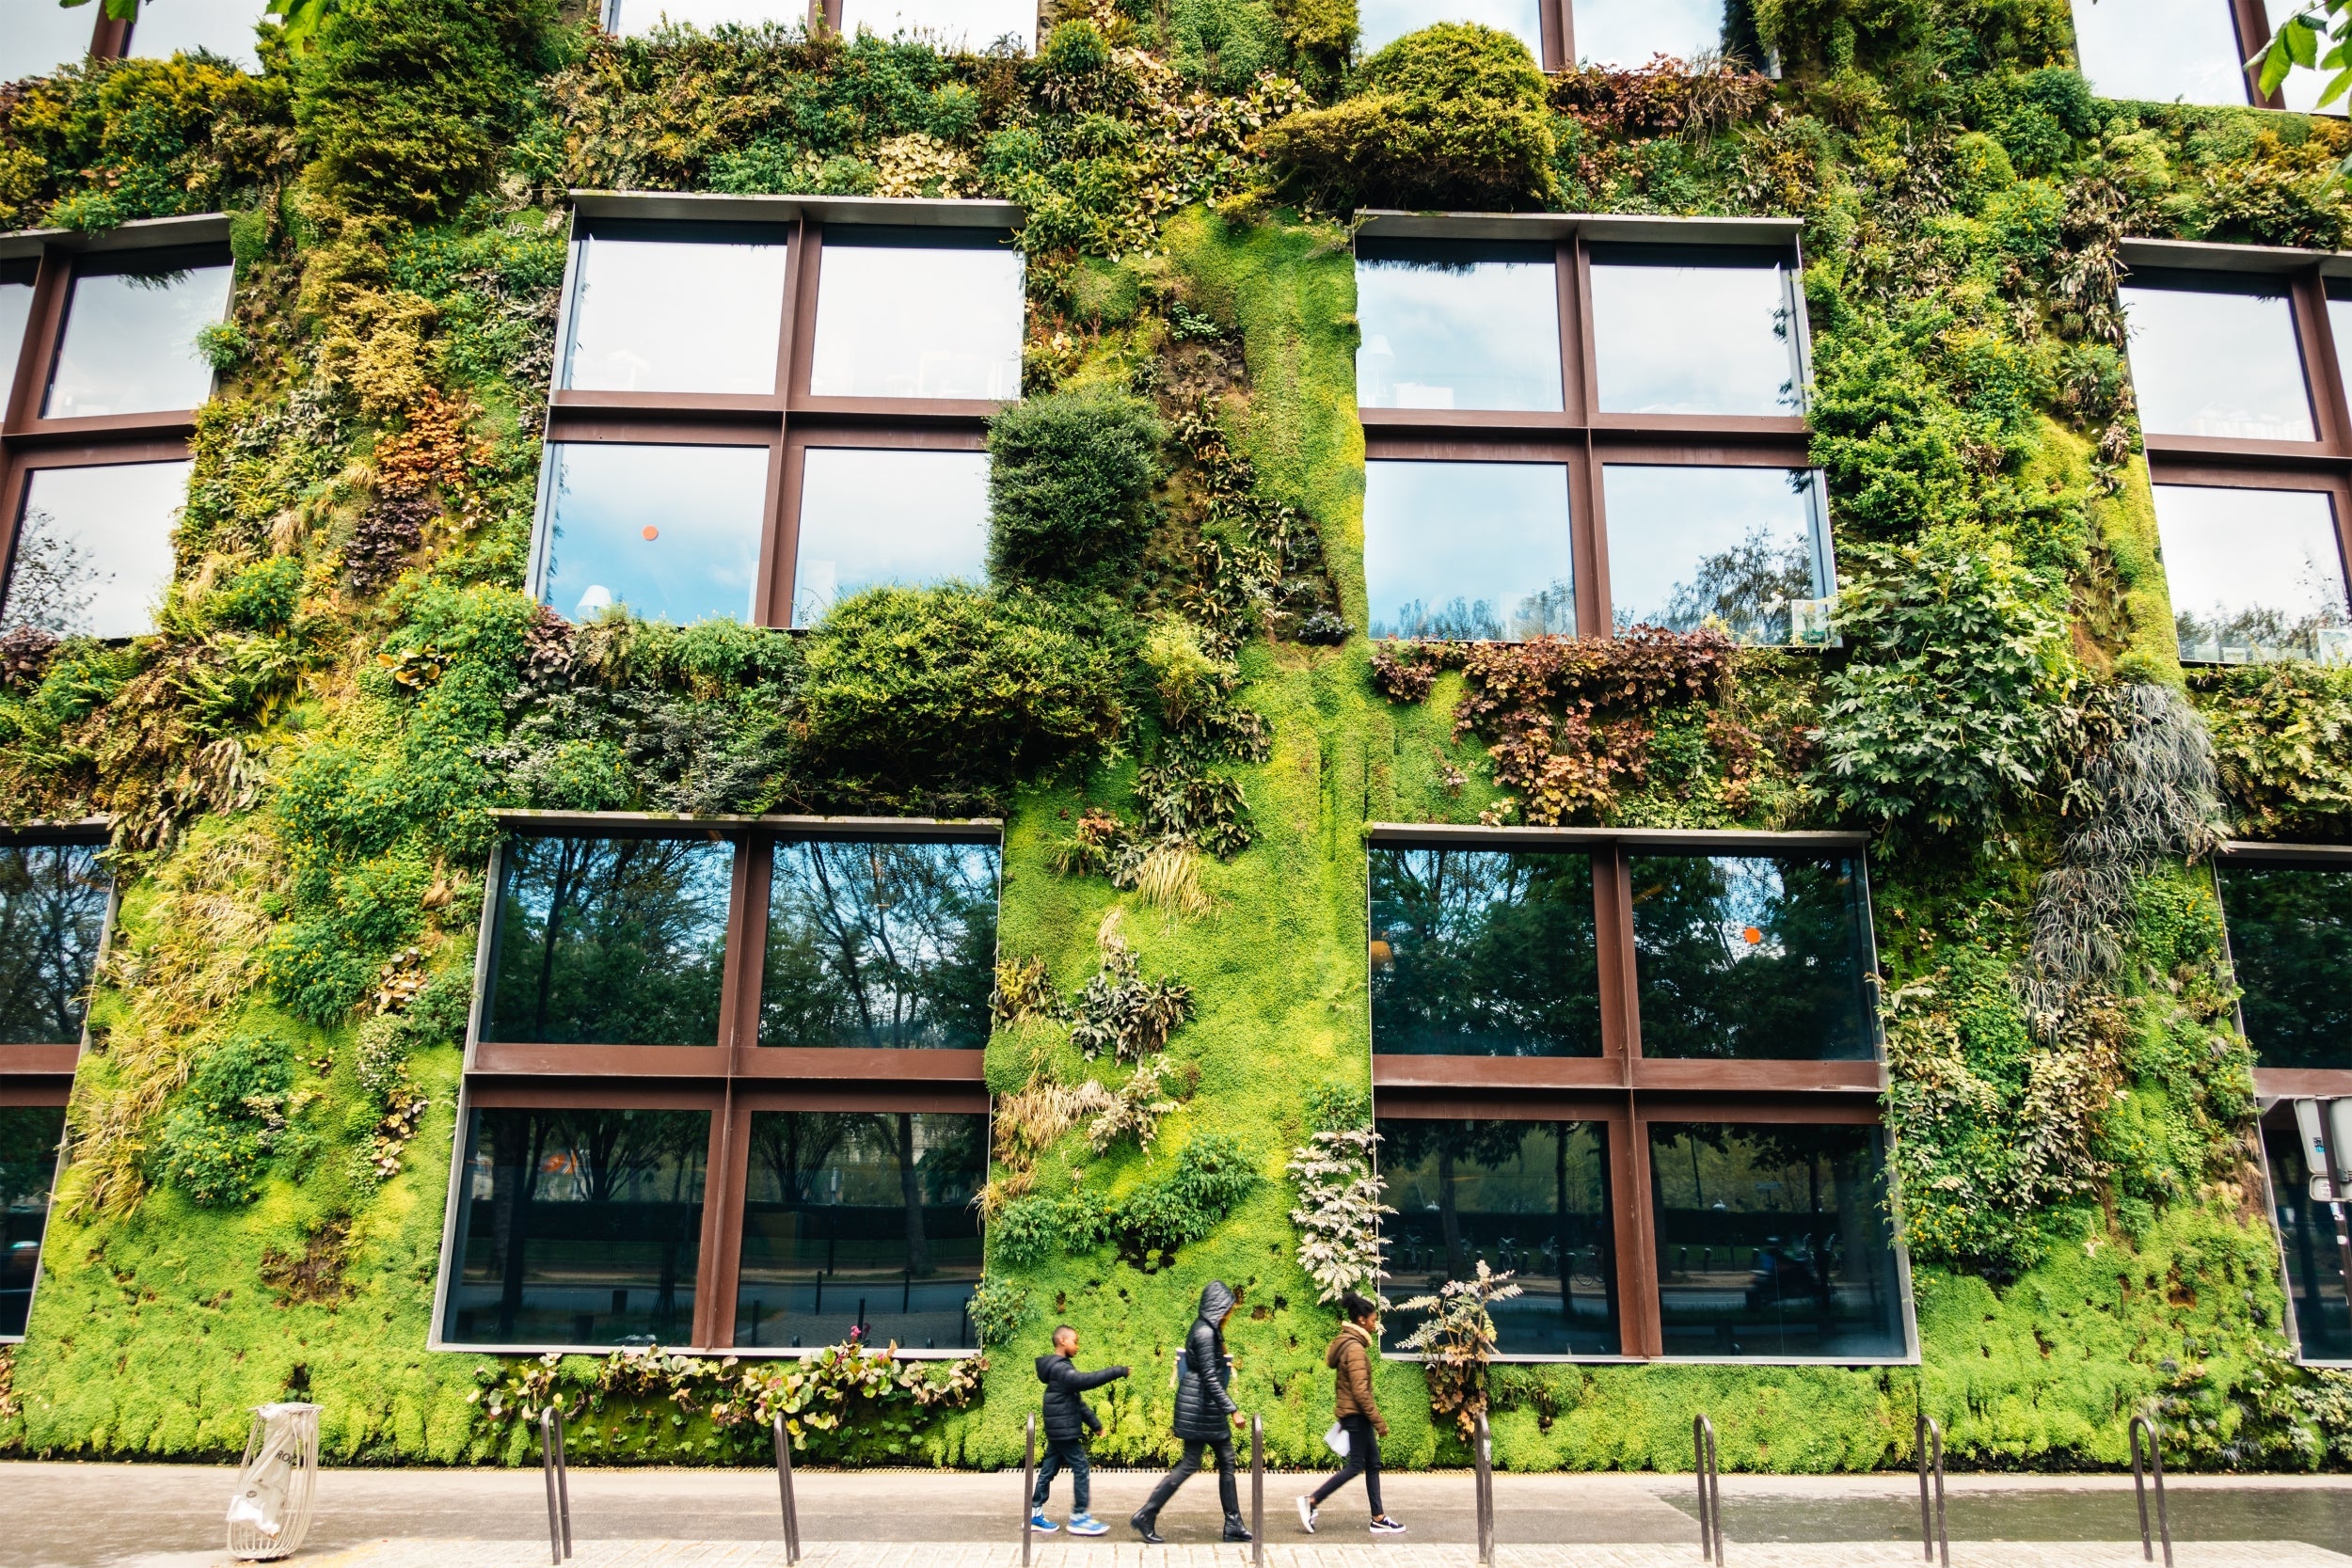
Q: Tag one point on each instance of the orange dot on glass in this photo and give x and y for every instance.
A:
(650, 531)
(1755, 937)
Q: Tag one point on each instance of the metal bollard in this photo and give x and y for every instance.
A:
(784, 1487)
(558, 1479)
(2140, 1486)
(1257, 1491)
(1483, 1473)
(1932, 1537)
(1028, 1482)
(1710, 1489)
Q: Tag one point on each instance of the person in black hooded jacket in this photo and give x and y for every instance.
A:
(1203, 1409)
(1067, 1423)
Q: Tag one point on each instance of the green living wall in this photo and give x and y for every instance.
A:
(1167, 692)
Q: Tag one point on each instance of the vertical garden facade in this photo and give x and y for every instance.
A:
(709, 712)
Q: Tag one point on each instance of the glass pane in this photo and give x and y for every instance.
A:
(1623, 34)
(2302, 87)
(671, 532)
(872, 517)
(222, 27)
(1483, 953)
(634, 18)
(130, 337)
(884, 946)
(661, 308)
(976, 25)
(2255, 574)
(2217, 358)
(1745, 957)
(29, 1135)
(16, 309)
(918, 313)
(1528, 1196)
(1381, 22)
(1457, 326)
(2306, 1234)
(861, 1219)
(39, 36)
(609, 941)
(1734, 548)
(577, 1228)
(2291, 944)
(53, 909)
(1469, 549)
(1686, 331)
(2160, 51)
(94, 550)
(1773, 1240)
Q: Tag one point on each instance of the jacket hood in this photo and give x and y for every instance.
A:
(1347, 1332)
(1045, 1367)
(1215, 1300)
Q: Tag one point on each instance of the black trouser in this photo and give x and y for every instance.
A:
(1064, 1453)
(1363, 1459)
(1228, 1491)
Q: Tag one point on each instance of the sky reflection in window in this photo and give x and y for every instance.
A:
(1735, 548)
(918, 313)
(653, 312)
(2217, 358)
(130, 337)
(872, 517)
(1455, 325)
(1688, 331)
(1625, 35)
(2160, 51)
(2255, 574)
(673, 532)
(1473, 550)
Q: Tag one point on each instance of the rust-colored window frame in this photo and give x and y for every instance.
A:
(730, 1079)
(1580, 436)
(2236, 463)
(787, 420)
(29, 441)
(1623, 1090)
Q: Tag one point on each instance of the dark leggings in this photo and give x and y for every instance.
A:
(1363, 1459)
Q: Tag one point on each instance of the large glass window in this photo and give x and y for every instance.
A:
(1749, 956)
(2213, 355)
(220, 27)
(53, 914)
(94, 548)
(880, 944)
(2307, 1236)
(2255, 574)
(16, 311)
(672, 532)
(577, 1228)
(861, 1220)
(2291, 944)
(1741, 549)
(1626, 35)
(918, 313)
(634, 18)
(675, 307)
(38, 36)
(609, 941)
(1469, 549)
(976, 25)
(131, 326)
(1530, 1197)
(29, 1136)
(2161, 51)
(871, 517)
(1483, 953)
(1695, 331)
(1775, 1241)
(1381, 22)
(1457, 325)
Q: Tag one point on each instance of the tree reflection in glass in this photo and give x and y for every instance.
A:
(1696, 330)
(52, 911)
(885, 946)
(2291, 944)
(861, 1218)
(1732, 548)
(609, 941)
(93, 549)
(1746, 957)
(1483, 953)
(2255, 574)
(1452, 323)
(1773, 1240)
(1526, 1197)
(29, 1135)
(1468, 550)
(578, 1227)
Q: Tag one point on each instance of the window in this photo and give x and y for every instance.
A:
(2187, 52)
(1381, 22)
(1641, 1070)
(766, 405)
(2239, 374)
(94, 447)
(2310, 1241)
(223, 27)
(1586, 425)
(977, 26)
(1626, 35)
(634, 18)
(29, 1140)
(724, 1087)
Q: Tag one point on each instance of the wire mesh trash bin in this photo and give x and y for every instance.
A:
(271, 1513)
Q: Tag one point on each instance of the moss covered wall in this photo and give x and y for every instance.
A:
(346, 681)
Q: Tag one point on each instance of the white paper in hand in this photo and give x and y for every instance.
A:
(1336, 1439)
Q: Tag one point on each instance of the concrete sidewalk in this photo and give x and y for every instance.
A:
(1109, 1554)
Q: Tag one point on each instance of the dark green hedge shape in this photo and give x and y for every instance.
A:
(1069, 478)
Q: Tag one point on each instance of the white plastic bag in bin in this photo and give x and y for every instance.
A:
(271, 1511)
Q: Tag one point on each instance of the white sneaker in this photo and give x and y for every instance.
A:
(1385, 1525)
(1307, 1514)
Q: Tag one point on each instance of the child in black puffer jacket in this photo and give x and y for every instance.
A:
(1067, 1423)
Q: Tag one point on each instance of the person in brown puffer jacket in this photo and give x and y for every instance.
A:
(1350, 1357)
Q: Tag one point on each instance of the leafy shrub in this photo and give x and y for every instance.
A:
(2280, 734)
(1212, 1177)
(100, 143)
(216, 1139)
(1069, 475)
(1453, 116)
